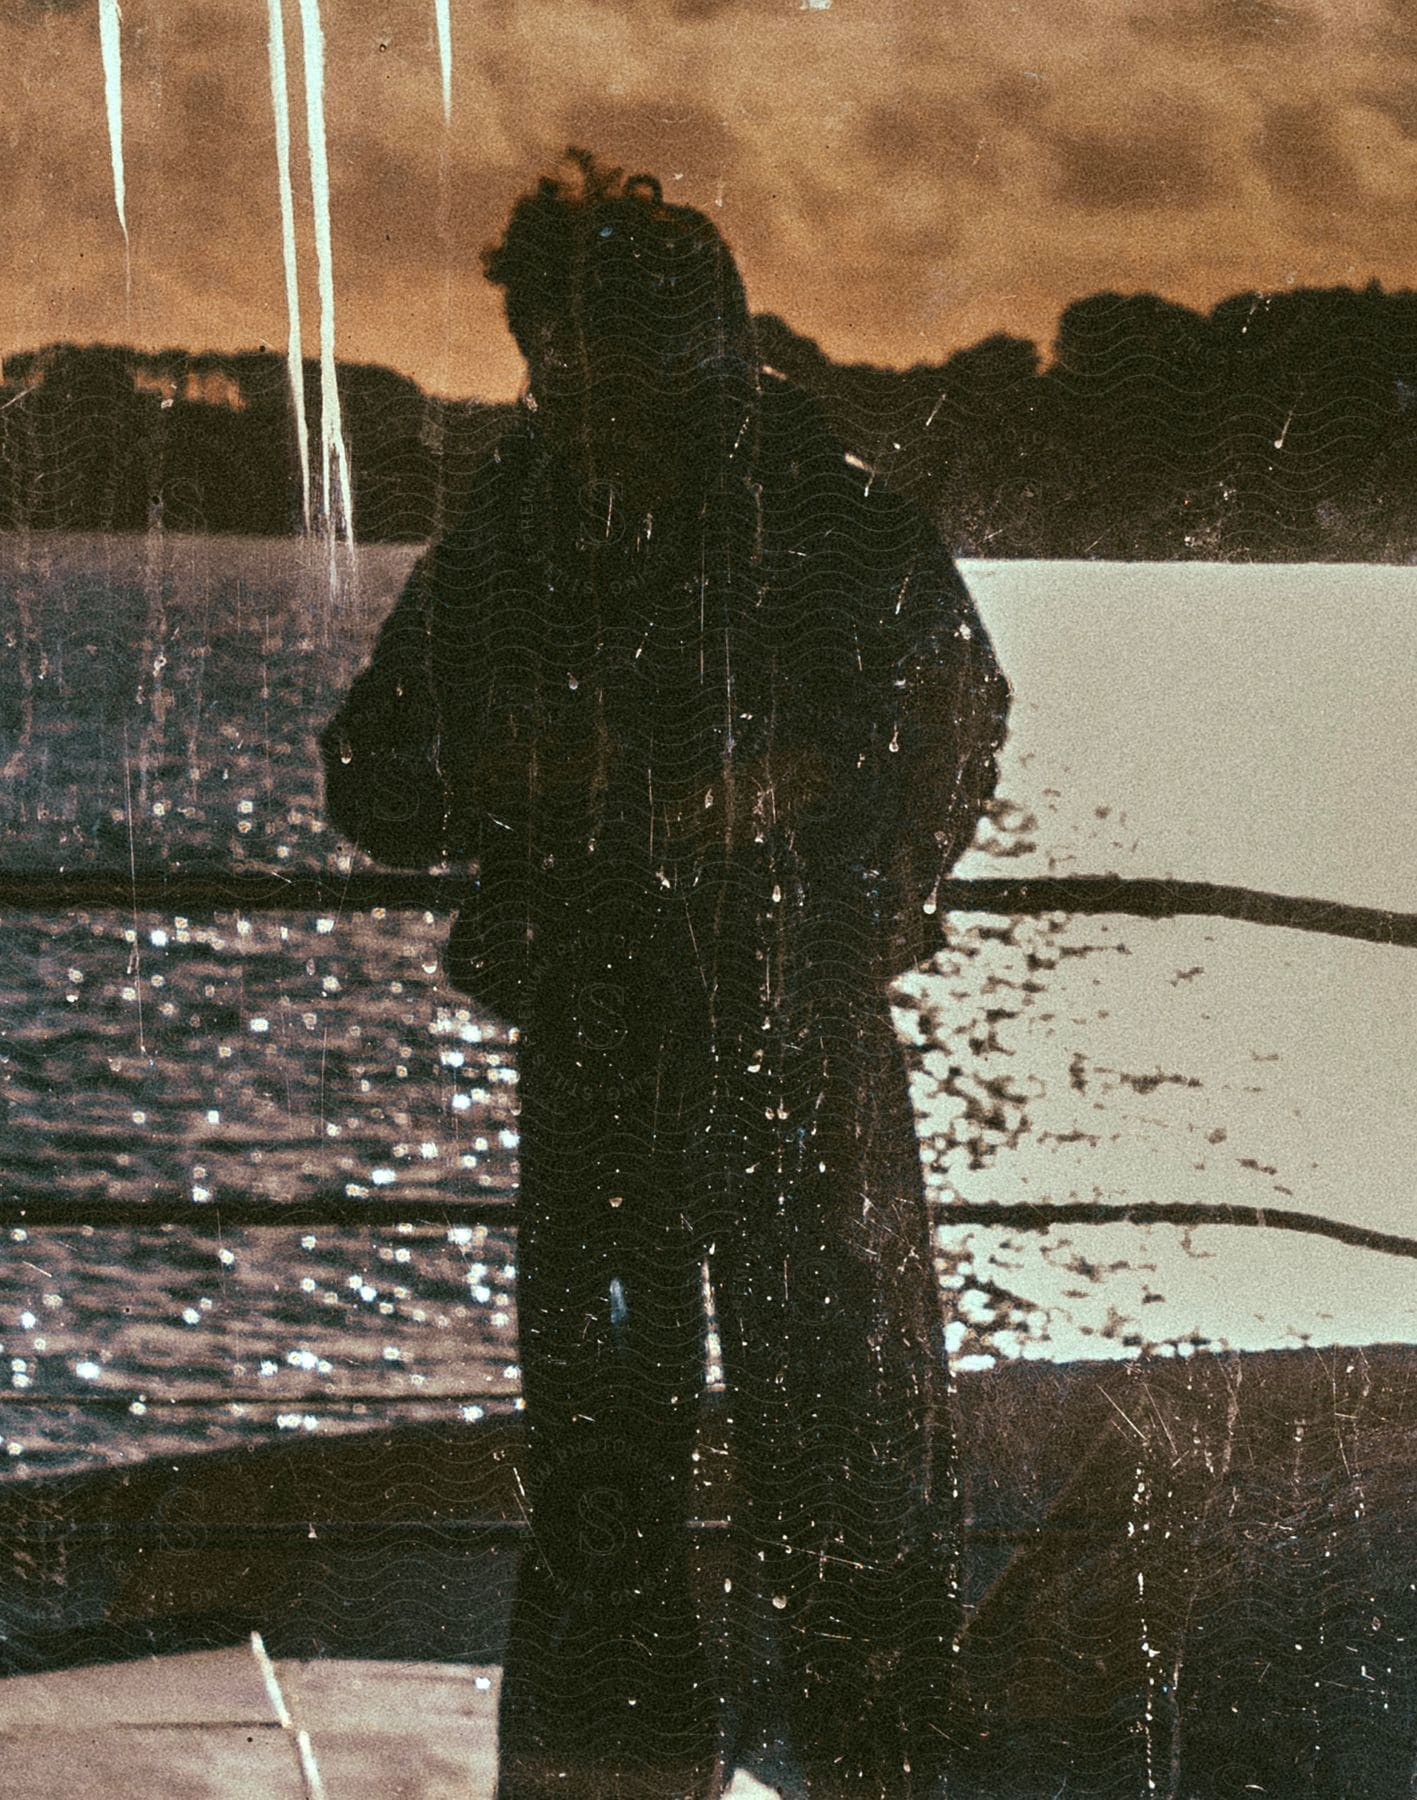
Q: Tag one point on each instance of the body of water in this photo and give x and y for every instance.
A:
(159, 701)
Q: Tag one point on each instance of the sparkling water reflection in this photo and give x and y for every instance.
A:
(161, 710)
(158, 704)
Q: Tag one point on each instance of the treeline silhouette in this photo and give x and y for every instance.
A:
(106, 438)
(1275, 427)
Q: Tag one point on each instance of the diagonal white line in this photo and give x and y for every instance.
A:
(443, 16)
(110, 47)
(304, 1750)
(338, 502)
(280, 103)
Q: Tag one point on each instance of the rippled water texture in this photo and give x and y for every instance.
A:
(161, 708)
(158, 705)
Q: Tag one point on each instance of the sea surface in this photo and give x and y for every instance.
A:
(159, 703)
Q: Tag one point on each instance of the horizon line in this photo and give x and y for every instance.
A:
(1047, 355)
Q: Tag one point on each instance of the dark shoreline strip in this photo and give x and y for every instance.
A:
(1047, 1214)
(227, 890)
(335, 1212)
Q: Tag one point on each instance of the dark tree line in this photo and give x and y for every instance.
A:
(112, 439)
(1276, 427)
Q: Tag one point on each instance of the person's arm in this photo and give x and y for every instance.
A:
(894, 770)
(420, 765)
(386, 786)
(911, 758)
(948, 720)
(952, 712)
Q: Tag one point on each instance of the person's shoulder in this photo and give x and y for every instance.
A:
(816, 485)
(484, 519)
(498, 479)
(797, 444)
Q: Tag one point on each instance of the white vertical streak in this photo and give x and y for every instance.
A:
(280, 101)
(109, 19)
(333, 457)
(313, 1785)
(309, 1768)
(442, 12)
(135, 965)
(271, 1681)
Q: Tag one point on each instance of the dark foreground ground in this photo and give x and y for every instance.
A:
(1189, 1577)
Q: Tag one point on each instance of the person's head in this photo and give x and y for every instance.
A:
(631, 315)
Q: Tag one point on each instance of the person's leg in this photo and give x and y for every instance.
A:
(832, 1334)
(605, 1676)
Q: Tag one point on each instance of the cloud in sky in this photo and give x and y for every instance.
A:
(898, 178)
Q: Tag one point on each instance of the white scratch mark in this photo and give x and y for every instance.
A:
(280, 102)
(271, 1681)
(135, 965)
(109, 20)
(1136, 1428)
(338, 507)
(311, 1782)
(442, 11)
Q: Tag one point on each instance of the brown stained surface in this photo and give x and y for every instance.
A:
(205, 1727)
(1194, 1564)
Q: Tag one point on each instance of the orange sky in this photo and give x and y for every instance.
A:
(899, 177)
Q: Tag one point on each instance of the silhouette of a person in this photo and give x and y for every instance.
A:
(712, 715)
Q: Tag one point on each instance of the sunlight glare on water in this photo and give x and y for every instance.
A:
(323, 1054)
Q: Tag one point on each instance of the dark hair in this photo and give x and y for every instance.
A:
(595, 228)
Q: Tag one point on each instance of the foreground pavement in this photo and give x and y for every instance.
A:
(235, 1725)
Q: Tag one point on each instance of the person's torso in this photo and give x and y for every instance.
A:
(635, 672)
